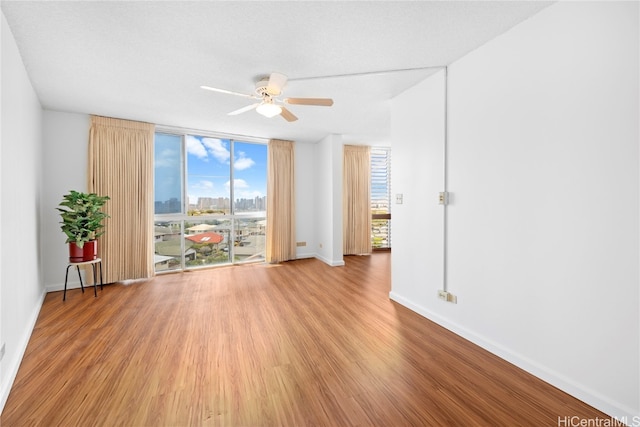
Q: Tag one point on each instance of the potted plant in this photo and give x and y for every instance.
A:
(82, 222)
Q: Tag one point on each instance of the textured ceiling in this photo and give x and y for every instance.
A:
(147, 60)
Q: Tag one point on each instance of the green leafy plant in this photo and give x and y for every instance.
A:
(82, 217)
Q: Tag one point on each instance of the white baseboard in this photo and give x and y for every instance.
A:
(55, 287)
(332, 263)
(72, 281)
(575, 389)
(15, 361)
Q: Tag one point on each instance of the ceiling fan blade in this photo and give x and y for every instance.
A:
(243, 109)
(325, 102)
(276, 83)
(288, 115)
(215, 89)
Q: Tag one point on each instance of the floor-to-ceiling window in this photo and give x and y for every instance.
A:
(210, 200)
(380, 198)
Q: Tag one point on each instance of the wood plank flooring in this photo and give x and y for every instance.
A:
(295, 344)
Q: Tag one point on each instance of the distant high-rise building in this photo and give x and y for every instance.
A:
(168, 206)
(205, 203)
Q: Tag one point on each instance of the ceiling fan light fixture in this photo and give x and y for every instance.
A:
(267, 91)
(268, 109)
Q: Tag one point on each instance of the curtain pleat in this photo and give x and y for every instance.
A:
(121, 167)
(356, 200)
(281, 224)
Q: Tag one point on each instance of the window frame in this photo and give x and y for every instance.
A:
(381, 216)
(184, 216)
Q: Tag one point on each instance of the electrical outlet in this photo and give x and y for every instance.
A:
(447, 296)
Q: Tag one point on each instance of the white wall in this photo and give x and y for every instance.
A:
(543, 229)
(327, 163)
(21, 182)
(305, 200)
(417, 159)
(65, 152)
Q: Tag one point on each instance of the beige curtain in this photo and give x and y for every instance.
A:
(356, 200)
(121, 167)
(281, 221)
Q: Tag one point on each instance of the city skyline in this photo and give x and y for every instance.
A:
(257, 204)
(208, 171)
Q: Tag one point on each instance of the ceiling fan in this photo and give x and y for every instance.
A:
(268, 89)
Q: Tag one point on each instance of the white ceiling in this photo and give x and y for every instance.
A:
(147, 60)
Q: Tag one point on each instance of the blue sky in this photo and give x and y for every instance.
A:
(208, 166)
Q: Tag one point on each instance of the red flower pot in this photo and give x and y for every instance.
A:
(88, 252)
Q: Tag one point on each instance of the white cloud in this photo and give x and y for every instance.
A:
(217, 148)
(240, 183)
(195, 147)
(242, 162)
(203, 185)
(167, 158)
(237, 184)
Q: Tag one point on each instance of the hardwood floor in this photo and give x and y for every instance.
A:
(295, 344)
